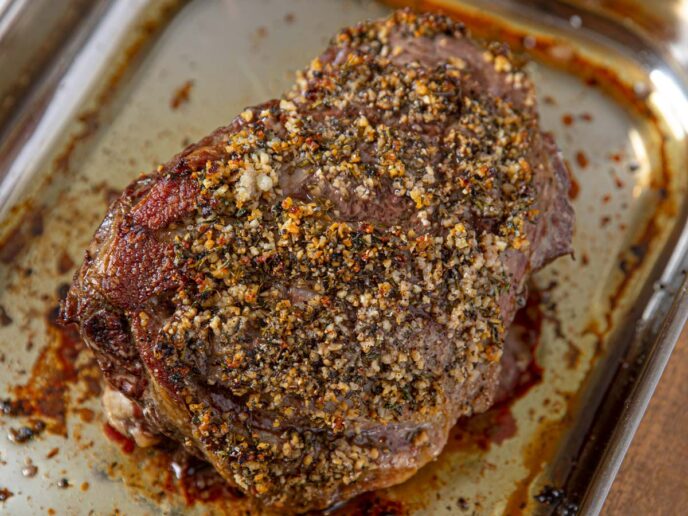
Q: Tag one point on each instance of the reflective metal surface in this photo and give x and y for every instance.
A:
(608, 330)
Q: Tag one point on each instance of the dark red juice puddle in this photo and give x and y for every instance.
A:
(125, 443)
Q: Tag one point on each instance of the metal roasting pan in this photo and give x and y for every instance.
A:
(94, 93)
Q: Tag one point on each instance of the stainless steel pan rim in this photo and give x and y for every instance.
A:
(89, 51)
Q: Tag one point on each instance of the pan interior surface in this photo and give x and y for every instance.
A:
(209, 61)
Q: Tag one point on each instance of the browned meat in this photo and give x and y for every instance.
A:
(311, 296)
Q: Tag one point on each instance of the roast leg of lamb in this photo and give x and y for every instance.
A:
(311, 296)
